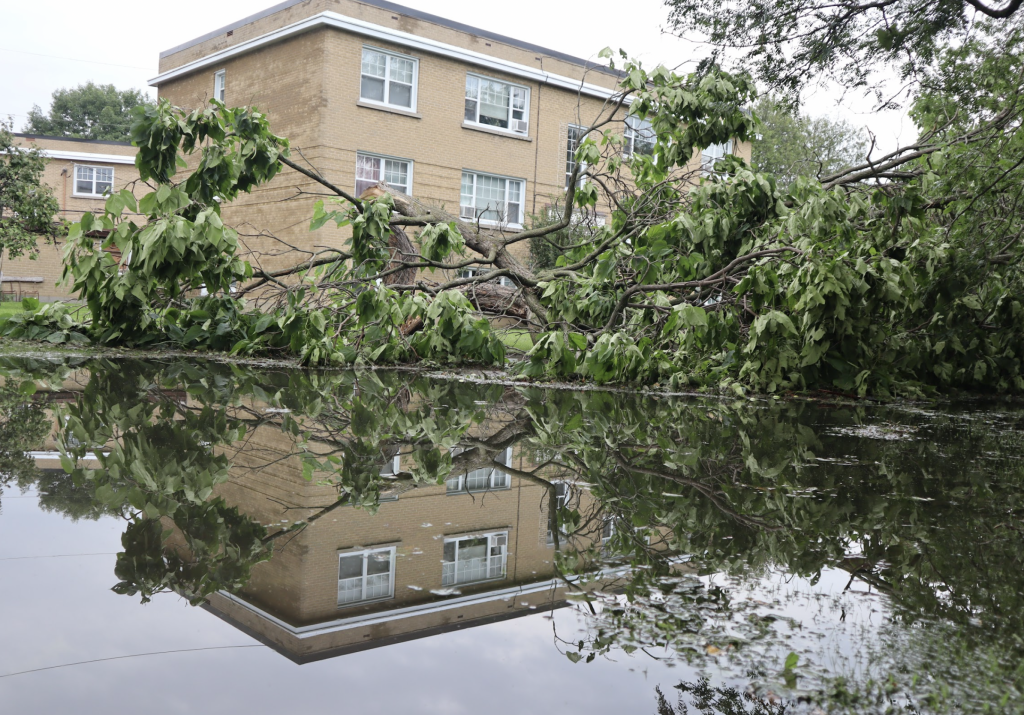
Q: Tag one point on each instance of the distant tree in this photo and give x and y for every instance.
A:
(89, 111)
(792, 145)
(790, 44)
(27, 205)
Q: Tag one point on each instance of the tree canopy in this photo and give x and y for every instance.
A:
(88, 111)
(791, 144)
(28, 207)
(788, 45)
(874, 280)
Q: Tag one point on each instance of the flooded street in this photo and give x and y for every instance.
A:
(179, 535)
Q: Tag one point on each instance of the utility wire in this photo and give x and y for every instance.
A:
(55, 556)
(76, 59)
(136, 655)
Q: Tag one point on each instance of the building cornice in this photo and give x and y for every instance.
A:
(87, 156)
(403, 39)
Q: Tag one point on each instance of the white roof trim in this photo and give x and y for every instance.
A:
(88, 157)
(369, 619)
(404, 39)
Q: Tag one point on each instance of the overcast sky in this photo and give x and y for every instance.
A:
(60, 43)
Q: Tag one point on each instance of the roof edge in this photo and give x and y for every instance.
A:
(409, 12)
(110, 142)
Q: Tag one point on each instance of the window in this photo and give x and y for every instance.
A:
(371, 170)
(491, 199)
(639, 136)
(366, 576)
(392, 467)
(218, 86)
(564, 494)
(474, 558)
(93, 180)
(388, 79)
(481, 480)
(713, 154)
(607, 529)
(492, 103)
(572, 143)
(470, 272)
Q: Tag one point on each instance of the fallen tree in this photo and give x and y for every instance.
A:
(897, 276)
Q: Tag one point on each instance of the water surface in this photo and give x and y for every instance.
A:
(185, 535)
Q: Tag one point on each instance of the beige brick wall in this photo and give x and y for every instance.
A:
(60, 175)
(309, 87)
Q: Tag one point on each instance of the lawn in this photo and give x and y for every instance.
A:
(515, 338)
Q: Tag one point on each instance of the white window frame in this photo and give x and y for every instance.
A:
(522, 131)
(220, 85)
(465, 209)
(476, 271)
(710, 156)
(497, 479)
(389, 55)
(383, 169)
(366, 554)
(494, 564)
(393, 467)
(634, 124)
(92, 194)
(570, 152)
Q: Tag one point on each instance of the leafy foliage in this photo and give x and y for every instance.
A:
(790, 45)
(724, 277)
(791, 144)
(89, 111)
(28, 207)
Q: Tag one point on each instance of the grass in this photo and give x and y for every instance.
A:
(515, 339)
(9, 309)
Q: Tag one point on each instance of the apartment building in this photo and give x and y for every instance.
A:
(80, 172)
(368, 90)
(475, 550)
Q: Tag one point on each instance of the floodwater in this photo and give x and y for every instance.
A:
(181, 536)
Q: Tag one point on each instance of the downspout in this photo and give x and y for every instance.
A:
(536, 147)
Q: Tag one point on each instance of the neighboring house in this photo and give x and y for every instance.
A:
(80, 171)
(373, 91)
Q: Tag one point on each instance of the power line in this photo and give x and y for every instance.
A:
(76, 59)
(136, 655)
(54, 556)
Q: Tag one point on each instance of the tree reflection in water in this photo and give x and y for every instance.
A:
(670, 517)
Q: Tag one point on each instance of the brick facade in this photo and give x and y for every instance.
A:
(308, 83)
(44, 273)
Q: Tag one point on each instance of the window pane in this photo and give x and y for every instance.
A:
(467, 190)
(401, 70)
(372, 89)
(83, 179)
(490, 195)
(350, 566)
(367, 172)
(454, 484)
(478, 479)
(472, 548)
(472, 87)
(374, 63)
(470, 110)
(400, 95)
(494, 103)
(518, 103)
(449, 551)
(514, 202)
(396, 173)
(378, 562)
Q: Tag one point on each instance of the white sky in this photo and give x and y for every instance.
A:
(60, 43)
